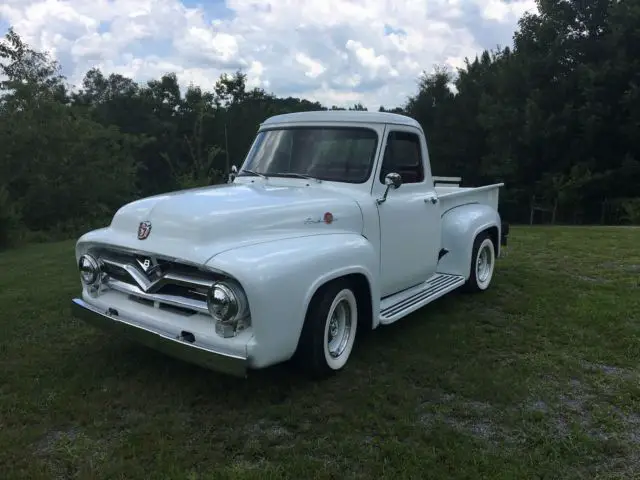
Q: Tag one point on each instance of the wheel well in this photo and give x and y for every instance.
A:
(494, 235)
(362, 290)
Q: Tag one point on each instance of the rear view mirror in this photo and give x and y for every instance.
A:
(391, 180)
(233, 174)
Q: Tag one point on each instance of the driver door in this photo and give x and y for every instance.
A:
(409, 221)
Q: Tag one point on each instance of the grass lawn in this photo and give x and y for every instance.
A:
(538, 377)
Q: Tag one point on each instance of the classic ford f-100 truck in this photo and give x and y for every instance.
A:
(333, 225)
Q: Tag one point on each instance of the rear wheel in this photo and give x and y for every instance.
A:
(329, 331)
(483, 261)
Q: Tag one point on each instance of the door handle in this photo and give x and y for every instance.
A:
(431, 198)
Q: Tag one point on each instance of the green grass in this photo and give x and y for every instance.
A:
(537, 377)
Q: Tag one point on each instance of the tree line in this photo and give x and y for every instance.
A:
(555, 116)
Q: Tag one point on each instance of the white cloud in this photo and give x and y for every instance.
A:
(334, 51)
(206, 46)
(368, 59)
(505, 11)
(313, 67)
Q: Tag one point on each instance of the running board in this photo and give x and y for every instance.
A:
(402, 304)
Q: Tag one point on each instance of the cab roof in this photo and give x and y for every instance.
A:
(333, 116)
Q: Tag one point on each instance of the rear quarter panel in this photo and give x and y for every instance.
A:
(460, 226)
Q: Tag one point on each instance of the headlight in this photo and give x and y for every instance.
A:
(89, 269)
(228, 306)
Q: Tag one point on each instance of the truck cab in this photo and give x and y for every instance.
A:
(333, 224)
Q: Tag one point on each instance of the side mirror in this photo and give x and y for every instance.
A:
(391, 180)
(232, 175)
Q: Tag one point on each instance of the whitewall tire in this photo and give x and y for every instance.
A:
(483, 263)
(329, 330)
(340, 329)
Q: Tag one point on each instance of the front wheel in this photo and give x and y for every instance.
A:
(329, 331)
(483, 261)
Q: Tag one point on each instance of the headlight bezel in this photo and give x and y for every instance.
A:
(87, 263)
(228, 306)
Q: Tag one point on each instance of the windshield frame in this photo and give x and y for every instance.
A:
(246, 164)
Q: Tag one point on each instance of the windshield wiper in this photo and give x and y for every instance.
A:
(257, 174)
(294, 174)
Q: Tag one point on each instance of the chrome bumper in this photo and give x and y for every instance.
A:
(220, 362)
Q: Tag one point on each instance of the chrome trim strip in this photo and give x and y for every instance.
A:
(133, 272)
(221, 362)
(176, 301)
(441, 281)
(109, 247)
(93, 245)
(153, 286)
(184, 280)
(430, 290)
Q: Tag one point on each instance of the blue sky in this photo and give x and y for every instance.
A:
(334, 51)
(213, 9)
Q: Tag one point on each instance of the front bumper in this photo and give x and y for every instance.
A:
(111, 321)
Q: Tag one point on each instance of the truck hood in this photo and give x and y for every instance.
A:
(199, 223)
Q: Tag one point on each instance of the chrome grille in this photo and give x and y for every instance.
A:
(155, 281)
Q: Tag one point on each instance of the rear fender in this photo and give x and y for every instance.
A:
(460, 226)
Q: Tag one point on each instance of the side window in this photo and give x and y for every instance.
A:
(403, 155)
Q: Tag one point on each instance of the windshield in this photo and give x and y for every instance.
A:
(339, 154)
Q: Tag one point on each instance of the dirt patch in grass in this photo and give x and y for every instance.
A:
(627, 267)
(72, 451)
(469, 417)
(612, 371)
(586, 278)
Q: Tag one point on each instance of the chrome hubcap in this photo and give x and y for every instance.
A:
(339, 329)
(333, 327)
(484, 264)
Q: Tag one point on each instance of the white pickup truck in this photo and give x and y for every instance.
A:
(333, 225)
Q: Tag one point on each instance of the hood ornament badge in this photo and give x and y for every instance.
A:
(144, 229)
(327, 218)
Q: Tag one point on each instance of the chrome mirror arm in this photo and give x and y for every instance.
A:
(391, 180)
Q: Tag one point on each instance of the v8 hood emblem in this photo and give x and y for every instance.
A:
(145, 264)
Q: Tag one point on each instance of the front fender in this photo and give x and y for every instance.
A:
(460, 226)
(281, 277)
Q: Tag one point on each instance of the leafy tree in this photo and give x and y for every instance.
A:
(555, 116)
(58, 167)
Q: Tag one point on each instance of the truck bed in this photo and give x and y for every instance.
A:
(452, 195)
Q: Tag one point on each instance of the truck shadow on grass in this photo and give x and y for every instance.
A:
(425, 344)
(376, 352)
